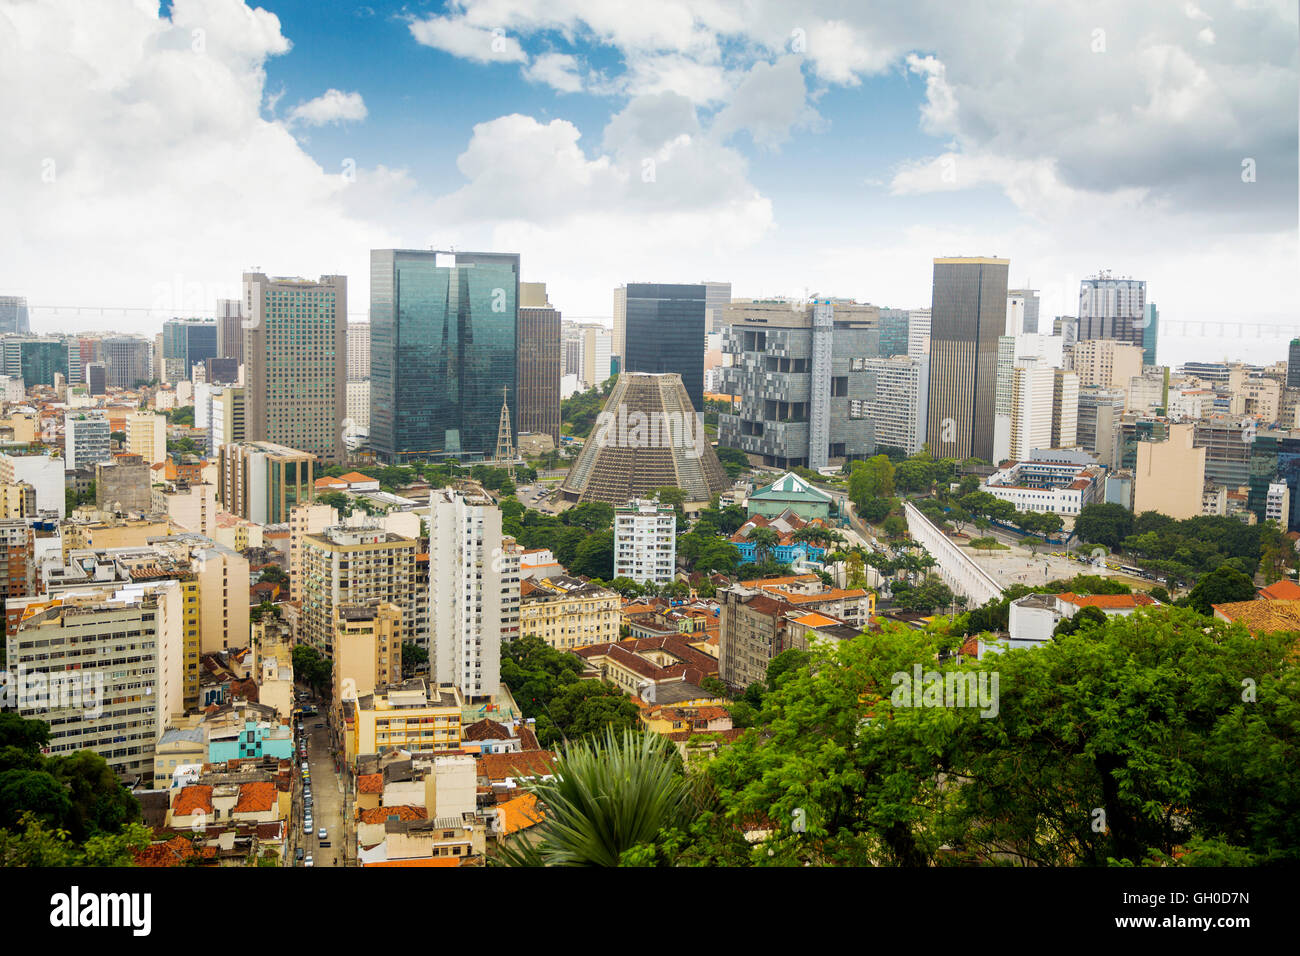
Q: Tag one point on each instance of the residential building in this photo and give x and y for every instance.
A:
(18, 560)
(112, 659)
(802, 377)
(968, 315)
(305, 519)
(45, 473)
(85, 440)
(443, 342)
(1277, 506)
(228, 418)
(569, 612)
(354, 566)
(263, 481)
(898, 407)
(146, 436)
(123, 485)
(295, 356)
(414, 716)
(358, 351)
(367, 648)
(645, 542)
(1105, 363)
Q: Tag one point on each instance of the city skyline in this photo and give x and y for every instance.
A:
(708, 144)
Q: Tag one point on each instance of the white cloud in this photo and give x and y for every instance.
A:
(939, 114)
(459, 38)
(332, 106)
(557, 70)
(769, 103)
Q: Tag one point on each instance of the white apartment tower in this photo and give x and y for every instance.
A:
(645, 542)
(85, 441)
(469, 571)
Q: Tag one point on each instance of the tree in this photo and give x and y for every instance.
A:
(414, 657)
(274, 574)
(791, 659)
(1032, 543)
(914, 476)
(763, 540)
(1106, 524)
(589, 707)
(312, 668)
(1086, 617)
(605, 798)
(590, 516)
(873, 478)
(894, 527)
(1223, 585)
(734, 461)
(594, 557)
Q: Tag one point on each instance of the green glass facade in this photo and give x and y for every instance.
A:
(442, 350)
(40, 361)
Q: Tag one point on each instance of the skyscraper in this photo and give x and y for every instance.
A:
(1293, 365)
(127, 360)
(295, 355)
(443, 336)
(230, 330)
(13, 314)
(1113, 309)
(1030, 302)
(358, 351)
(186, 343)
(538, 372)
(717, 295)
(663, 331)
(967, 315)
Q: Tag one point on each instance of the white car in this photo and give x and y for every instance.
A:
(308, 862)
(322, 835)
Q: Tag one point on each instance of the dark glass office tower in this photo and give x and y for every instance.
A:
(442, 349)
(665, 333)
(186, 343)
(967, 314)
(13, 314)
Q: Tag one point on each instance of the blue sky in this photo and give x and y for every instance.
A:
(832, 147)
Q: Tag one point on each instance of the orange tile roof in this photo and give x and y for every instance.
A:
(521, 813)
(173, 852)
(1108, 600)
(778, 582)
(192, 798)
(370, 783)
(1283, 590)
(381, 814)
(528, 763)
(255, 797)
(352, 477)
(328, 482)
(420, 861)
(815, 620)
(1261, 616)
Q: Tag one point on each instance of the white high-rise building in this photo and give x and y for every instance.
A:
(898, 409)
(469, 570)
(918, 334)
(1032, 386)
(358, 351)
(1065, 409)
(597, 347)
(645, 542)
(85, 441)
(619, 343)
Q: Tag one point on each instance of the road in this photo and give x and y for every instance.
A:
(327, 795)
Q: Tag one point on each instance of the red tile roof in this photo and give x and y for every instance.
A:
(381, 814)
(1104, 601)
(256, 797)
(529, 763)
(1283, 590)
(191, 799)
(370, 783)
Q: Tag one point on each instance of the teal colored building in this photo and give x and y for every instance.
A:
(793, 493)
(255, 739)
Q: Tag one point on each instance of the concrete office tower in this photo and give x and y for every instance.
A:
(1065, 409)
(358, 351)
(898, 406)
(663, 331)
(1170, 475)
(116, 654)
(968, 314)
(13, 314)
(37, 360)
(230, 330)
(1293, 365)
(359, 405)
(1067, 327)
(295, 357)
(466, 585)
(1028, 305)
(571, 350)
(1150, 333)
(221, 371)
(648, 436)
(363, 565)
(146, 436)
(305, 519)
(717, 296)
(187, 342)
(262, 481)
(1105, 363)
(97, 379)
(1032, 384)
(1112, 308)
(918, 334)
(128, 360)
(894, 332)
(645, 542)
(443, 337)
(597, 343)
(620, 325)
(229, 421)
(1015, 316)
(538, 369)
(85, 440)
(1002, 399)
(801, 376)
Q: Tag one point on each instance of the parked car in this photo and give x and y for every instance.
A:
(308, 862)
(306, 825)
(297, 856)
(322, 835)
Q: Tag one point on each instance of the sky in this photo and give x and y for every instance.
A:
(154, 152)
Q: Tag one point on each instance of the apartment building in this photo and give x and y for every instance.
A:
(413, 715)
(85, 440)
(1105, 363)
(146, 436)
(568, 612)
(1170, 475)
(305, 519)
(367, 648)
(112, 664)
(358, 566)
(645, 542)
(263, 481)
(17, 552)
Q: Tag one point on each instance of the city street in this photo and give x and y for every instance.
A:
(327, 796)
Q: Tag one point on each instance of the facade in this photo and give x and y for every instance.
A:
(1028, 303)
(186, 343)
(230, 330)
(85, 440)
(1105, 363)
(124, 484)
(898, 408)
(295, 356)
(229, 419)
(367, 648)
(359, 405)
(918, 334)
(647, 437)
(443, 340)
(96, 379)
(146, 436)
(1277, 505)
(1064, 485)
(567, 612)
(1293, 364)
(17, 556)
(790, 493)
(645, 542)
(411, 716)
(597, 345)
(1170, 475)
(1065, 409)
(14, 315)
(262, 481)
(1032, 387)
(128, 360)
(538, 372)
(305, 519)
(802, 377)
(663, 331)
(468, 579)
(717, 296)
(112, 658)
(968, 315)
(358, 351)
(354, 566)
(1111, 308)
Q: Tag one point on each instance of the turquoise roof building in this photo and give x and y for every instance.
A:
(793, 493)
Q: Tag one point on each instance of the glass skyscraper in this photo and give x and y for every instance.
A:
(443, 335)
(664, 332)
